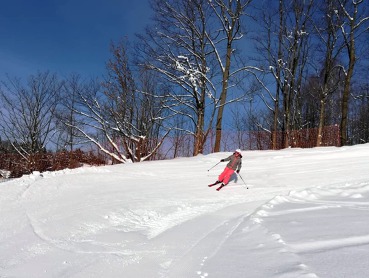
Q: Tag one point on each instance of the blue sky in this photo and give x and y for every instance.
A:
(65, 36)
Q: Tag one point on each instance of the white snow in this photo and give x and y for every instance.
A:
(305, 214)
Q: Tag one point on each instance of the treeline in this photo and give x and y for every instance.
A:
(201, 68)
(16, 166)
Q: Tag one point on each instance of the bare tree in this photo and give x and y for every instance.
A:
(192, 45)
(229, 16)
(177, 47)
(354, 19)
(285, 47)
(123, 120)
(327, 31)
(269, 43)
(359, 115)
(68, 137)
(27, 112)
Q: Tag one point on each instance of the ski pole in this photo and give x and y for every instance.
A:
(243, 181)
(214, 166)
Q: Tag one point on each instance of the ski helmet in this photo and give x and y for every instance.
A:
(238, 151)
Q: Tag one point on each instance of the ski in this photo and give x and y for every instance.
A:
(220, 187)
(215, 183)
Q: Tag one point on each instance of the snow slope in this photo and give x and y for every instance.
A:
(304, 215)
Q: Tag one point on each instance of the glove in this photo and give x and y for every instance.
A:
(222, 160)
(238, 171)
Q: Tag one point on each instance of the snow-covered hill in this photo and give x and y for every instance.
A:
(304, 215)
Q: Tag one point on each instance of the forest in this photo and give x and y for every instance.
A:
(205, 76)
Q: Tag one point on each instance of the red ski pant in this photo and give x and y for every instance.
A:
(226, 175)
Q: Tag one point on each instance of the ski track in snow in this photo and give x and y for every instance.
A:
(317, 199)
(187, 235)
(149, 222)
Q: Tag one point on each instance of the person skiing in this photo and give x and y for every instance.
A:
(234, 164)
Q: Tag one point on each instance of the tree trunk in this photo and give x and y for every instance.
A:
(199, 134)
(344, 107)
(223, 98)
(350, 45)
(321, 122)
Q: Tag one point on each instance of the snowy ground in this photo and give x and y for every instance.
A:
(305, 214)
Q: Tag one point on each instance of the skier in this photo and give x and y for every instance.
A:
(234, 164)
